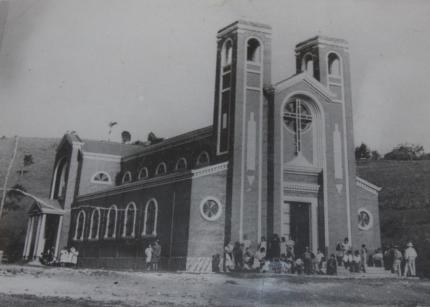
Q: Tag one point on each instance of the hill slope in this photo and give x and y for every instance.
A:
(35, 179)
(404, 203)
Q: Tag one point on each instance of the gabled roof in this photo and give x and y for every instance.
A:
(306, 78)
(46, 206)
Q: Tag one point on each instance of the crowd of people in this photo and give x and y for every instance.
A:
(279, 256)
(68, 257)
(402, 264)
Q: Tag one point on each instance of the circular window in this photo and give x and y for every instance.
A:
(365, 219)
(210, 209)
(297, 116)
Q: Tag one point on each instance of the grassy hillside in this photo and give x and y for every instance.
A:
(404, 203)
(35, 179)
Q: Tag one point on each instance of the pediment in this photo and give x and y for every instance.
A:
(310, 83)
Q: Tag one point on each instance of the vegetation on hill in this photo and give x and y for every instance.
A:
(404, 203)
(31, 171)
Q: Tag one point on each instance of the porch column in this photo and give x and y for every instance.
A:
(314, 226)
(36, 239)
(28, 236)
(41, 240)
(57, 241)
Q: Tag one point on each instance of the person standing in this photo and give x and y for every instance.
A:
(339, 253)
(148, 257)
(332, 265)
(275, 248)
(290, 245)
(363, 258)
(410, 256)
(283, 246)
(228, 251)
(397, 260)
(307, 257)
(63, 256)
(74, 257)
(156, 254)
(238, 257)
(346, 246)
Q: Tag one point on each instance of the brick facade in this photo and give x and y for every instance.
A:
(272, 149)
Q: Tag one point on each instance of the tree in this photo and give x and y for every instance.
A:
(27, 161)
(375, 155)
(126, 137)
(111, 125)
(362, 152)
(405, 152)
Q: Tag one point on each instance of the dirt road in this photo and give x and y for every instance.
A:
(31, 286)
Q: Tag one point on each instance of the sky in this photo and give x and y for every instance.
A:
(150, 65)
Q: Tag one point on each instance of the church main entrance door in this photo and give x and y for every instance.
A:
(300, 226)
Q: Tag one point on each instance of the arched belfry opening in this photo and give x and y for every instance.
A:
(253, 51)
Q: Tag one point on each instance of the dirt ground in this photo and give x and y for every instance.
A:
(34, 286)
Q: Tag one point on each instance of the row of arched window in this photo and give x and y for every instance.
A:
(203, 159)
(110, 222)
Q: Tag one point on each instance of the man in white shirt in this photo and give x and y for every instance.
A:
(410, 256)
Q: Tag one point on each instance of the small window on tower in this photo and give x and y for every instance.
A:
(253, 53)
(334, 65)
(224, 120)
(227, 53)
(308, 64)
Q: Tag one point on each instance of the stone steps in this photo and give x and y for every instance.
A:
(376, 272)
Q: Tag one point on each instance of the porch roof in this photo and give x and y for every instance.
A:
(45, 206)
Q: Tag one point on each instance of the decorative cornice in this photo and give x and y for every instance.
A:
(301, 187)
(244, 25)
(209, 170)
(322, 40)
(302, 170)
(366, 185)
(101, 156)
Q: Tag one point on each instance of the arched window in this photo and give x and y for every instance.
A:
(161, 169)
(203, 159)
(227, 53)
(150, 219)
(95, 225)
(129, 220)
(126, 178)
(111, 219)
(308, 64)
(181, 164)
(80, 226)
(253, 51)
(60, 179)
(143, 173)
(101, 177)
(334, 65)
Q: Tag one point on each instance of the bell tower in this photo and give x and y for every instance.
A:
(243, 69)
(327, 60)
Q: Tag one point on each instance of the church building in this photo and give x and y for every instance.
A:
(277, 159)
